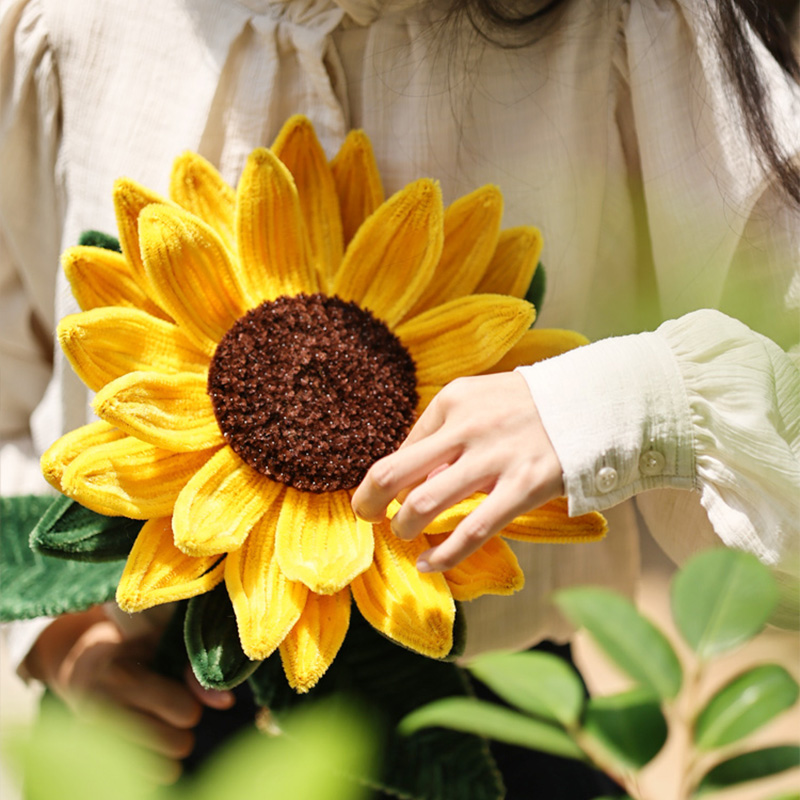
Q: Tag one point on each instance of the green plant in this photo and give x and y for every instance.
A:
(720, 600)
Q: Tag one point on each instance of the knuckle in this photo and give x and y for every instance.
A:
(382, 474)
(420, 503)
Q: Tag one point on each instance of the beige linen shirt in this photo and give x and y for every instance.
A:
(615, 133)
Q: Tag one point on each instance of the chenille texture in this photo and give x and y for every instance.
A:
(304, 260)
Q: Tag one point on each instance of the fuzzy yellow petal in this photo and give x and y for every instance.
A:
(101, 277)
(129, 200)
(310, 647)
(358, 182)
(192, 273)
(169, 411)
(157, 572)
(538, 344)
(513, 263)
(272, 241)
(196, 186)
(492, 569)
(220, 505)
(552, 523)
(299, 149)
(129, 478)
(471, 228)
(393, 256)
(414, 609)
(266, 603)
(91, 341)
(66, 449)
(464, 336)
(320, 541)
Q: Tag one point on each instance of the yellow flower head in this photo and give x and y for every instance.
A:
(254, 352)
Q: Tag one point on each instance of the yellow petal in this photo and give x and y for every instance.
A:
(273, 245)
(169, 411)
(220, 505)
(157, 572)
(536, 345)
(129, 200)
(514, 262)
(106, 343)
(192, 273)
(129, 478)
(426, 395)
(358, 182)
(310, 647)
(393, 256)
(196, 186)
(320, 541)
(266, 603)
(552, 523)
(414, 609)
(492, 569)
(101, 277)
(66, 449)
(298, 147)
(464, 336)
(471, 228)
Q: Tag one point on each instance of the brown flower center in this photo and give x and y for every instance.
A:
(311, 390)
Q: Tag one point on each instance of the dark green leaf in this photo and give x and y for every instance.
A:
(631, 641)
(36, 585)
(98, 239)
(537, 683)
(487, 719)
(629, 728)
(744, 705)
(749, 767)
(212, 641)
(721, 599)
(68, 530)
(537, 289)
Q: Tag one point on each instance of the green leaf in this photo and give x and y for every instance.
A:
(537, 683)
(318, 756)
(487, 719)
(721, 599)
(99, 239)
(749, 767)
(68, 530)
(212, 641)
(537, 289)
(630, 640)
(744, 705)
(35, 584)
(628, 728)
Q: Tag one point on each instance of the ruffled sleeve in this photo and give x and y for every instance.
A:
(703, 404)
(30, 217)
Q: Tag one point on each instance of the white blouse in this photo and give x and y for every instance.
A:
(615, 133)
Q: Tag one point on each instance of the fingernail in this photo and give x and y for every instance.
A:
(423, 566)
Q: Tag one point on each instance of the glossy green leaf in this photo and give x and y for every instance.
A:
(496, 722)
(721, 599)
(629, 728)
(212, 641)
(744, 705)
(536, 291)
(631, 641)
(537, 683)
(750, 767)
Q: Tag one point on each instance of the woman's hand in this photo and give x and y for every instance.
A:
(480, 434)
(85, 659)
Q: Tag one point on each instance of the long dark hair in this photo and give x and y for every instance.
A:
(511, 23)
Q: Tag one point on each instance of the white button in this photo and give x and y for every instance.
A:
(651, 463)
(606, 479)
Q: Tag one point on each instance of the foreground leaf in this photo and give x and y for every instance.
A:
(721, 599)
(749, 767)
(487, 719)
(744, 705)
(631, 641)
(628, 728)
(537, 683)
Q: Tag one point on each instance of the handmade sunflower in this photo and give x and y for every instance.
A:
(254, 352)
